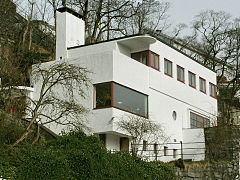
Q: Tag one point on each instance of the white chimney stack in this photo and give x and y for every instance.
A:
(70, 31)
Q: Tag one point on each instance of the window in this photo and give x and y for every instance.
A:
(103, 95)
(154, 59)
(141, 57)
(155, 148)
(148, 58)
(198, 121)
(202, 85)
(174, 153)
(168, 67)
(165, 150)
(124, 144)
(121, 97)
(174, 115)
(180, 74)
(144, 145)
(192, 79)
(212, 90)
(102, 138)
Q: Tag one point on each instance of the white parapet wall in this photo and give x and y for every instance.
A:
(193, 144)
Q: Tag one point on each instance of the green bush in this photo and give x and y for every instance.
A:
(7, 171)
(77, 156)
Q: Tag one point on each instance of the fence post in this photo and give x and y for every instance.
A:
(181, 150)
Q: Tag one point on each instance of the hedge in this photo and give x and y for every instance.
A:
(77, 156)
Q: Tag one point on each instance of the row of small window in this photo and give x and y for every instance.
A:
(151, 59)
(112, 94)
(197, 121)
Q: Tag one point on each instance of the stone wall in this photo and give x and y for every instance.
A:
(213, 171)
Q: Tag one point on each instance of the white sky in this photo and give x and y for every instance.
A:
(183, 11)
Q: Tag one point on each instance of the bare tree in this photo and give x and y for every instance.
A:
(140, 129)
(149, 15)
(59, 85)
(210, 27)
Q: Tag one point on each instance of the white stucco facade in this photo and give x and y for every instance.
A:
(111, 61)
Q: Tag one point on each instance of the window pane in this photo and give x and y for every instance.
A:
(199, 122)
(193, 80)
(152, 59)
(130, 100)
(206, 123)
(169, 68)
(103, 95)
(156, 62)
(182, 73)
(204, 86)
(178, 73)
(193, 120)
(144, 57)
(136, 56)
(165, 66)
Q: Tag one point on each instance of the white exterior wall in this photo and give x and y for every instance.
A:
(110, 61)
(70, 32)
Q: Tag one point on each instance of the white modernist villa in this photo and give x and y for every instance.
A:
(140, 75)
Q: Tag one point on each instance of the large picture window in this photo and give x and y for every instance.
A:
(121, 97)
(103, 95)
(198, 121)
(148, 58)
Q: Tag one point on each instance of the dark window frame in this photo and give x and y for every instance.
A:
(168, 62)
(202, 80)
(112, 99)
(190, 83)
(181, 68)
(211, 85)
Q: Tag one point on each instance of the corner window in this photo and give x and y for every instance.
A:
(148, 58)
(141, 57)
(115, 95)
(198, 121)
(103, 95)
(212, 90)
(202, 85)
(192, 79)
(168, 67)
(180, 74)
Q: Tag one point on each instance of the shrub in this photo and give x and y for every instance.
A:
(77, 156)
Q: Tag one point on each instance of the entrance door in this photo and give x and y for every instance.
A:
(124, 144)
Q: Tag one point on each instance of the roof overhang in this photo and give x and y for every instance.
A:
(137, 42)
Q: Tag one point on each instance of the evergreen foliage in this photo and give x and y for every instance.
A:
(77, 156)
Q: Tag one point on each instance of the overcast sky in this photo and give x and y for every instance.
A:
(183, 11)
